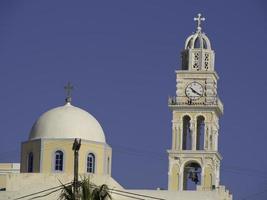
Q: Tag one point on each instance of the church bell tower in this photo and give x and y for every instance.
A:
(194, 160)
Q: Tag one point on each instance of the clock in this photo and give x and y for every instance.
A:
(194, 90)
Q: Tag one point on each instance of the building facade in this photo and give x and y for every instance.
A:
(194, 160)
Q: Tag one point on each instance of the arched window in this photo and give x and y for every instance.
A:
(200, 132)
(59, 156)
(91, 163)
(192, 176)
(30, 162)
(187, 140)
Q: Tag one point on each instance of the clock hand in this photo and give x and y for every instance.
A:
(195, 91)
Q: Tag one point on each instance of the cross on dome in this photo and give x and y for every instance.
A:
(199, 19)
(68, 88)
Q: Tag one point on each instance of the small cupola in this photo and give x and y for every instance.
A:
(197, 54)
(197, 41)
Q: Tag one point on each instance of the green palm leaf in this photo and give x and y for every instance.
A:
(87, 191)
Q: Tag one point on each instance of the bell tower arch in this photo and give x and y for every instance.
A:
(194, 160)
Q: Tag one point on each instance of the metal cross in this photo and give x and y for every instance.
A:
(68, 89)
(199, 19)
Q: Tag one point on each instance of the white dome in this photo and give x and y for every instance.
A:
(67, 122)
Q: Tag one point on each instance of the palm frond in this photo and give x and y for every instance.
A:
(87, 191)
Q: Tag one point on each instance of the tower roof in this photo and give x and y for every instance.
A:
(198, 39)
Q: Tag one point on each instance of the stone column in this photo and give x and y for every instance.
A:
(181, 179)
(193, 134)
(173, 137)
(206, 135)
(181, 136)
(217, 174)
(215, 139)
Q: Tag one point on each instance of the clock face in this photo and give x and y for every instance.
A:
(194, 91)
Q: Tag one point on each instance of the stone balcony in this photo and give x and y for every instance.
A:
(210, 102)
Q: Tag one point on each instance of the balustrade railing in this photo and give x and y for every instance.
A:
(205, 100)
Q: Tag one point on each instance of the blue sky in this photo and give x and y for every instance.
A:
(121, 56)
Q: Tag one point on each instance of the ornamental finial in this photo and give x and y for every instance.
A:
(68, 88)
(199, 19)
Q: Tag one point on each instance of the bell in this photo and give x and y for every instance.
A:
(193, 176)
(190, 175)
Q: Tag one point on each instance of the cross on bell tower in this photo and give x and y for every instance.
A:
(198, 19)
(68, 88)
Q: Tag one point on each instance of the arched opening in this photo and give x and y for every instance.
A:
(190, 44)
(91, 163)
(59, 156)
(30, 162)
(192, 176)
(198, 43)
(200, 132)
(187, 139)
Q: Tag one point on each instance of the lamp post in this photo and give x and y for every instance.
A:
(76, 147)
